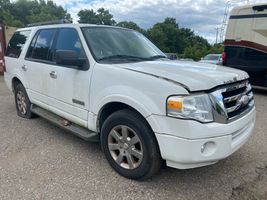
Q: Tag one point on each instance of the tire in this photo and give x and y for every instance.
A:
(23, 103)
(137, 157)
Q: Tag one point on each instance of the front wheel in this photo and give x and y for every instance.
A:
(130, 145)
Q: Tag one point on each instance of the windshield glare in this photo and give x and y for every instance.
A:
(107, 42)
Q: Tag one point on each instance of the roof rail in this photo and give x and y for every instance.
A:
(61, 21)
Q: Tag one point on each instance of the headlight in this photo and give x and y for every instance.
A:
(196, 107)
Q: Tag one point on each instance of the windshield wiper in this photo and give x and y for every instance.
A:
(127, 57)
(157, 57)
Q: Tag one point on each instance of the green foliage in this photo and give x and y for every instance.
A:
(171, 39)
(217, 49)
(167, 35)
(196, 52)
(131, 25)
(102, 16)
(23, 12)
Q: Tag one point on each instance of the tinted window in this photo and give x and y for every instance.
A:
(16, 43)
(31, 47)
(68, 39)
(43, 44)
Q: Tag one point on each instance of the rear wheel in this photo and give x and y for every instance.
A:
(22, 101)
(130, 145)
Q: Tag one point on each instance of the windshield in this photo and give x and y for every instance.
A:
(116, 44)
(212, 57)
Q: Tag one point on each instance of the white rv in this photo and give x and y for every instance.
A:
(246, 42)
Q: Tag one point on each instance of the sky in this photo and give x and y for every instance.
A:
(203, 16)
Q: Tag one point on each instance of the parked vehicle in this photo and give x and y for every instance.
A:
(112, 85)
(171, 56)
(186, 59)
(5, 35)
(246, 42)
(212, 59)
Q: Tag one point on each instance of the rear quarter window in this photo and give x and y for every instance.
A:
(16, 43)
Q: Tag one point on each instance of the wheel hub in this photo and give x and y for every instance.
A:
(125, 147)
(21, 102)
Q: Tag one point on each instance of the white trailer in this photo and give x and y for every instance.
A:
(246, 42)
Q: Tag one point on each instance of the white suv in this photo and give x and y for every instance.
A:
(113, 85)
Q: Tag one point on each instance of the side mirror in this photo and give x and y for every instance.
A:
(69, 58)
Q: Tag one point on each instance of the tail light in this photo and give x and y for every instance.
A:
(2, 65)
(224, 57)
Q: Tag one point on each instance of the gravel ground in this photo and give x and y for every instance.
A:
(41, 161)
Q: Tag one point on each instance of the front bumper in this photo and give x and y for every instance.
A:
(200, 147)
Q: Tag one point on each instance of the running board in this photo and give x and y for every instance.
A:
(65, 124)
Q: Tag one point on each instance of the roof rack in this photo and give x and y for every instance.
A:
(61, 21)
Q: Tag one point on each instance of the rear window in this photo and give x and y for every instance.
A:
(16, 43)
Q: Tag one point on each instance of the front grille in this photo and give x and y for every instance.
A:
(237, 99)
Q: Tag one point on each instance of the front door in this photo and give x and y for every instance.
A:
(68, 86)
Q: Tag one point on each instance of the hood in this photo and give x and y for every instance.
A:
(194, 76)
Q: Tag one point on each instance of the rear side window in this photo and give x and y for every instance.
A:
(40, 47)
(16, 43)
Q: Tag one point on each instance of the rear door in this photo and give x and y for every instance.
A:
(14, 53)
(37, 65)
(68, 86)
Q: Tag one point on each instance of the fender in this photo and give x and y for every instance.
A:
(94, 115)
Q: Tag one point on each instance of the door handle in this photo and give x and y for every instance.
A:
(53, 74)
(24, 68)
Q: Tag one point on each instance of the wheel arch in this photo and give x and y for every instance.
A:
(15, 81)
(111, 107)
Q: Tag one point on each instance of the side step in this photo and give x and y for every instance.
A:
(65, 124)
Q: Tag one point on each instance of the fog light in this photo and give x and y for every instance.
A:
(208, 148)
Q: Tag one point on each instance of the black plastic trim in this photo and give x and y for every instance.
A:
(248, 16)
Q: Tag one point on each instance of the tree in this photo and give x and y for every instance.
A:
(171, 39)
(217, 49)
(130, 25)
(105, 17)
(88, 16)
(195, 52)
(166, 36)
(102, 16)
(22, 12)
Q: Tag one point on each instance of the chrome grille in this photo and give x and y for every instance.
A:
(237, 99)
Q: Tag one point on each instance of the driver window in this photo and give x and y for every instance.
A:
(68, 39)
